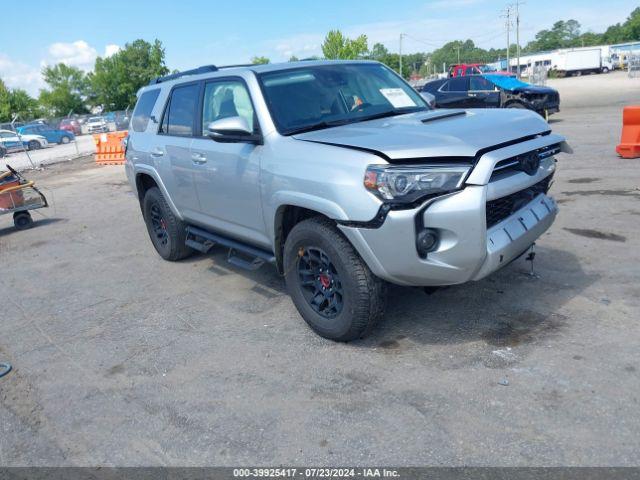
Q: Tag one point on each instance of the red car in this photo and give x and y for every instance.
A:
(473, 69)
(70, 125)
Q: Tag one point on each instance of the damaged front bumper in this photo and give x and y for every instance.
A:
(468, 248)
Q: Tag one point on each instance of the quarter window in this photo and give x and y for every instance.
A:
(181, 112)
(225, 99)
(143, 109)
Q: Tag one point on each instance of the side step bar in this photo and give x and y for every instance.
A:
(254, 258)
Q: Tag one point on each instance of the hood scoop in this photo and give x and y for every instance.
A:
(441, 115)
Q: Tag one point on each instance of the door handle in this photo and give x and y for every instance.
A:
(157, 152)
(198, 158)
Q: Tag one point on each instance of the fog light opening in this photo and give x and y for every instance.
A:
(426, 241)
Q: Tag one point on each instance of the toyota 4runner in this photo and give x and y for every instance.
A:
(340, 175)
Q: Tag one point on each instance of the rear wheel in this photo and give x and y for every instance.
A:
(22, 220)
(65, 139)
(330, 285)
(516, 105)
(3, 152)
(167, 232)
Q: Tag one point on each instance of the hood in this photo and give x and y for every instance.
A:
(438, 133)
(535, 89)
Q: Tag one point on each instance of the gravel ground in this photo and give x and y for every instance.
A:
(123, 359)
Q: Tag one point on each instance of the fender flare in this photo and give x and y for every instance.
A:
(142, 169)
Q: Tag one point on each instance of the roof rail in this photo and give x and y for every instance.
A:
(238, 65)
(195, 71)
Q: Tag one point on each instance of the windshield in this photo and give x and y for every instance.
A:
(321, 96)
(95, 119)
(487, 69)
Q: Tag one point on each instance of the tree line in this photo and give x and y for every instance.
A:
(115, 80)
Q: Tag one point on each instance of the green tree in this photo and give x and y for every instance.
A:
(116, 79)
(631, 28)
(24, 105)
(293, 58)
(67, 90)
(260, 60)
(5, 105)
(337, 46)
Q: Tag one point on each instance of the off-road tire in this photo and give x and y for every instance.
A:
(174, 248)
(364, 294)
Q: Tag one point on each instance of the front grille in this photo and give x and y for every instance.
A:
(501, 208)
(513, 164)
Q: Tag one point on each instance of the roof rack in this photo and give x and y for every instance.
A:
(195, 71)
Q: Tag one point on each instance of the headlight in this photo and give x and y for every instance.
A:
(406, 184)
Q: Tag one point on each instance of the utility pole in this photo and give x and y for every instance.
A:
(507, 16)
(517, 5)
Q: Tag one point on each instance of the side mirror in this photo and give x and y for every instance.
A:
(233, 130)
(429, 98)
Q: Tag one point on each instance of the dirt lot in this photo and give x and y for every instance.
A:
(123, 359)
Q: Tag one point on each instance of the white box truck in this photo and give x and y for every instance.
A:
(580, 61)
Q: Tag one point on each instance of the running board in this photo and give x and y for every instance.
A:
(240, 254)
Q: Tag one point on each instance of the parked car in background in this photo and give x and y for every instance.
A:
(51, 134)
(340, 175)
(492, 91)
(12, 142)
(473, 69)
(70, 125)
(11, 127)
(97, 125)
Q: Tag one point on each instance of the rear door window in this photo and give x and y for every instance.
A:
(458, 84)
(143, 110)
(180, 114)
(480, 84)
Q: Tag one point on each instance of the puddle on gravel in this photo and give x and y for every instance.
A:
(583, 180)
(598, 235)
(614, 193)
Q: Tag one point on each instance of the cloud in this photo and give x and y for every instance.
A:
(76, 54)
(111, 49)
(20, 75)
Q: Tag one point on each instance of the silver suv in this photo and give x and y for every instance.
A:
(340, 175)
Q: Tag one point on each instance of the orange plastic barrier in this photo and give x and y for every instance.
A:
(109, 148)
(630, 143)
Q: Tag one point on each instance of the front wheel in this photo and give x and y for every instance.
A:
(33, 145)
(65, 140)
(330, 285)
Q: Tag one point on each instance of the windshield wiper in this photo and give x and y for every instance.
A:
(318, 126)
(346, 121)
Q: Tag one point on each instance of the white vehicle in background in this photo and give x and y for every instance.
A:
(581, 61)
(12, 142)
(97, 125)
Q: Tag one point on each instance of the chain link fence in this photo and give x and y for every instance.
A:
(66, 137)
(633, 66)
